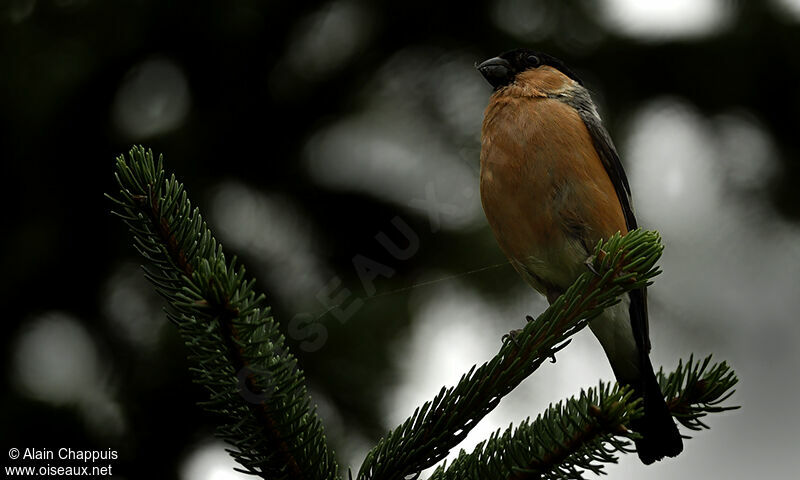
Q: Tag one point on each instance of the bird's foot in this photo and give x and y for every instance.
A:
(513, 334)
(589, 262)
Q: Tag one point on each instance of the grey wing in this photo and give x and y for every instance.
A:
(608, 155)
(583, 104)
(610, 158)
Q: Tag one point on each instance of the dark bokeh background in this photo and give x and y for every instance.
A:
(302, 129)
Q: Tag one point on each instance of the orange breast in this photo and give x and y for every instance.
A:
(544, 190)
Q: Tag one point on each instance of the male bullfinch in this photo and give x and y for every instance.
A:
(552, 185)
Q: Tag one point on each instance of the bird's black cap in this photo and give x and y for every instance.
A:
(501, 70)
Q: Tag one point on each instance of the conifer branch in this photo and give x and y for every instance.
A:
(238, 355)
(620, 264)
(236, 349)
(694, 390)
(584, 433)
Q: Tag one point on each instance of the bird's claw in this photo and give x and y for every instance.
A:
(590, 265)
(512, 336)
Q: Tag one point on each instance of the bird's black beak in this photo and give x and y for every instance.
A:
(497, 72)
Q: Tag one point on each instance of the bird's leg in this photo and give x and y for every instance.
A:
(552, 295)
(512, 337)
(590, 263)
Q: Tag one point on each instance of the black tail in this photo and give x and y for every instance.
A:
(660, 437)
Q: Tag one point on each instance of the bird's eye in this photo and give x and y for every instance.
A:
(533, 60)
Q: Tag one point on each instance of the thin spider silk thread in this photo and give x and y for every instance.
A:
(421, 284)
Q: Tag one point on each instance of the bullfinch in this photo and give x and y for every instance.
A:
(552, 185)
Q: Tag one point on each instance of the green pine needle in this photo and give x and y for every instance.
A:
(442, 423)
(235, 347)
(254, 384)
(584, 433)
(694, 390)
